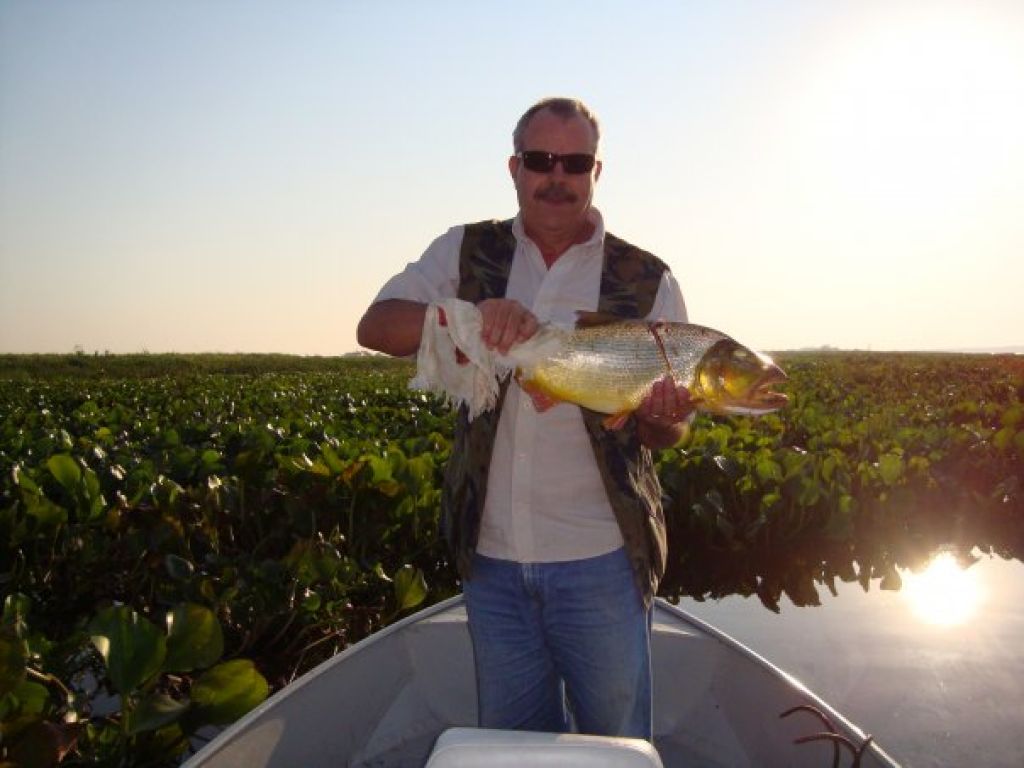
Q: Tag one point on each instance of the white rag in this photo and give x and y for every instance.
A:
(475, 381)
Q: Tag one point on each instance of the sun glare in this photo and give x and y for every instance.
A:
(943, 594)
(919, 112)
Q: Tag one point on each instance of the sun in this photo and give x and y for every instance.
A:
(944, 594)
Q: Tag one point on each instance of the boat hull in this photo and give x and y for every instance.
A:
(385, 700)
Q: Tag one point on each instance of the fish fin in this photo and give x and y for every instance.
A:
(585, 319)
(542, 401)
(616, 420)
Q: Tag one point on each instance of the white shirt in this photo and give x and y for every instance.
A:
(545, 498)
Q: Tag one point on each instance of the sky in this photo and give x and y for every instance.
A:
(228, 176)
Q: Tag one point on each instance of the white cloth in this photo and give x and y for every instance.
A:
(474, 380)
(545, 500)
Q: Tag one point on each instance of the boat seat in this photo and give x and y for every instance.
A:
(490, 748)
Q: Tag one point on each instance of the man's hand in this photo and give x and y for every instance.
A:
(505, 322)
(664, 415)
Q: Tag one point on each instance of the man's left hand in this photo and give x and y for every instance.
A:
(663, 416)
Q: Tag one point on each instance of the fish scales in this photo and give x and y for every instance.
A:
(608, 368)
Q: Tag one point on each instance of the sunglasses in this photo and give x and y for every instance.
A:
(544, 162)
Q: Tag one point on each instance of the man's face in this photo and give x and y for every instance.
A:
(555, 200)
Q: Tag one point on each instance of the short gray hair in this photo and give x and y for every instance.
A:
(561, 106)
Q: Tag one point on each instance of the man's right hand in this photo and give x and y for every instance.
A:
(506, 322)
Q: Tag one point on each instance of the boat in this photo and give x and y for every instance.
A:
(406, 697)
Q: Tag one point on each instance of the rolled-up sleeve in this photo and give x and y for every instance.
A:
(434, 276)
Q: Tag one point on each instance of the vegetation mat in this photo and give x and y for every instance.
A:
(181, 535)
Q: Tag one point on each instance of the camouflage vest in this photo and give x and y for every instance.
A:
(629, 284)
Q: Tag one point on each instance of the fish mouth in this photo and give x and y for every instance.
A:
(763, 393)
(761, 397)
(739, 383)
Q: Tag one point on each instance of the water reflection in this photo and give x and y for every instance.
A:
(933, 696)
(944, 594)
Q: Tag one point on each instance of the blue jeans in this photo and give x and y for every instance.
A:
(546, 632)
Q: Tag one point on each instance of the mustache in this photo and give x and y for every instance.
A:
(556, 193)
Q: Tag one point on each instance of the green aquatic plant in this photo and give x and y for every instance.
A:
(281, 509)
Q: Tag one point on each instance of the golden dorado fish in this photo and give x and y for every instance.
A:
(610, 367)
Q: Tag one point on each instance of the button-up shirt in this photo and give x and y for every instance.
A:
(545, 498)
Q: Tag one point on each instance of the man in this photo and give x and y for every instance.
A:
(555, 522)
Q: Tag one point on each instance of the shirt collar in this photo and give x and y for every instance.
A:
(596, 238)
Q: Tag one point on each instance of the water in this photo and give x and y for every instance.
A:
(930, 694)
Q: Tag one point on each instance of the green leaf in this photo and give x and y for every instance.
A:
(91, 485)
(330, 458)
(381, 477)
(318, 467)
(16, 607)
(312, 602)
(155, 712)
(767, 469)
(66, 443)
(32, 697)
(65, 470)
(23, 481)
(13, 656)
(810, 492)
(828, 467)
(728, 466)
(87, 409)
(49, 515)
(1013, 415)
(312, 561)
(93, 494)
(178, 568)
(890, 465)
(195, 639)
(229, 690)
(131, 645)
(410, 587)
(1003, 438)
(794, 461)
(420, 470)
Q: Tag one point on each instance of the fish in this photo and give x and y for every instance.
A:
(610, 365)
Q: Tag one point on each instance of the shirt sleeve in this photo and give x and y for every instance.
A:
(668, 304)
(434, 276)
